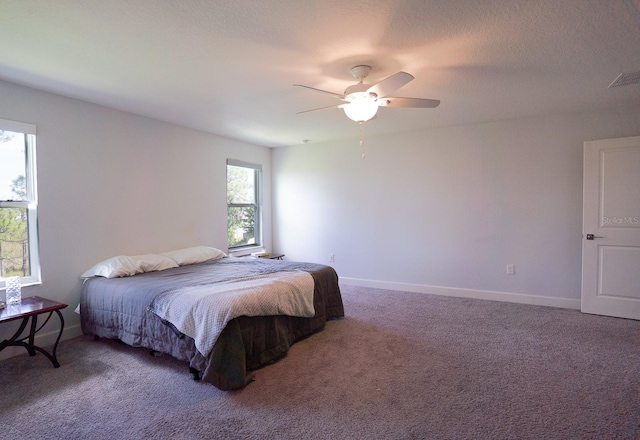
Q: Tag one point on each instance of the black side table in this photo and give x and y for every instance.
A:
(273, 256)
(31, 307)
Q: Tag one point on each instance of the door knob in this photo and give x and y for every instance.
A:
(592, 237)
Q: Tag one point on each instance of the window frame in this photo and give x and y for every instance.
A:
(257, 169)
(31, 200)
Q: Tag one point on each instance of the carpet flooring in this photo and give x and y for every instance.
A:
(400, 365)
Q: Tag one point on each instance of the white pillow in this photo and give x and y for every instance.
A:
(120, 266)
(196, 254)
(153, 262)
(124, 266)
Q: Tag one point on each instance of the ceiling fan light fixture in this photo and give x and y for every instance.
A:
(361, 108)
(360, 101)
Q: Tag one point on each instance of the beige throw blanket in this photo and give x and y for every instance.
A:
(201, 312)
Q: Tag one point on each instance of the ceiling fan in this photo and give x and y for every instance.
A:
(360, 101)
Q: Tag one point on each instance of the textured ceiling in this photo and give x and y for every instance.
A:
(227, 67)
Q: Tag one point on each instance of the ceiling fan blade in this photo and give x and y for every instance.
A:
(337, 95)
(409, 102)
(390, 84)
(321, 108)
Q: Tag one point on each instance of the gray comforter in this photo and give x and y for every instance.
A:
(117, 308)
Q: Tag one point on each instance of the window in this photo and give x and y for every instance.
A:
(243, 204)
(18, 203)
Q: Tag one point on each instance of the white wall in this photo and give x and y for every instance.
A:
(438, 211)
(443, 211)
(113, 183)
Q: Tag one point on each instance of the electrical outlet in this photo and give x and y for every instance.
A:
(511, 269)
(332, 258)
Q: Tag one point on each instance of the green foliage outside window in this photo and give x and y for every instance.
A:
(242, 206)
(14, 243)
(14, 234)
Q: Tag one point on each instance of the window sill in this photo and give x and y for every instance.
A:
(245, 251)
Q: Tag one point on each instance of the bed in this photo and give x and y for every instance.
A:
(120, 308)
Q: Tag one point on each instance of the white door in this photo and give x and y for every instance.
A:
(611, 228)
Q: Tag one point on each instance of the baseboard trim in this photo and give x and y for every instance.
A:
(563, 303)
(44, 340)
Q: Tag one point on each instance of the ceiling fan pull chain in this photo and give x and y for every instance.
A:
(362, 138)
